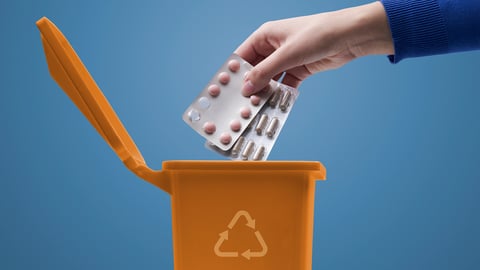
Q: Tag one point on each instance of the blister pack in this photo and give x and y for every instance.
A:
(258, 139)
(239, 127)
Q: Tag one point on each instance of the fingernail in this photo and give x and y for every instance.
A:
(247, 88)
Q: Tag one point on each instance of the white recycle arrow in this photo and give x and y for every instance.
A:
(248, 254)
(223, 237)
(250, 221)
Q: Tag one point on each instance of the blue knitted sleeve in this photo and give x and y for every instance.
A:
(429, 27)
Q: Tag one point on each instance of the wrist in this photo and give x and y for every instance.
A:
(371, 29)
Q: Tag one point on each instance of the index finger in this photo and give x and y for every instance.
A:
(255, 48)
(246, 50)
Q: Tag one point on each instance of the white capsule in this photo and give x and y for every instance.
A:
(272, 127)
(259, 153)
(248, 150)
(262, 123)
(275, 98)
(238, 146)
(285, 102)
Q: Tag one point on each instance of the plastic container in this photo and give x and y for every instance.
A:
(242, 215)
(226, 214)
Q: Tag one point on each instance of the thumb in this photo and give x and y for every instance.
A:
(263, 72)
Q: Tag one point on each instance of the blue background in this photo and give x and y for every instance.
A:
(400, 142)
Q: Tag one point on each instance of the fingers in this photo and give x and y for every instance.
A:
(271, 55)
(247, 51)
(263, 72)
(254, 49)
(263, 50)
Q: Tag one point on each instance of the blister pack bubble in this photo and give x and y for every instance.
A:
(235, 126)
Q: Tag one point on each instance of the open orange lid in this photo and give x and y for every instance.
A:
(68, 71)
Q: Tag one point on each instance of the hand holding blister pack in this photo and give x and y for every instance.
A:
(239, 127)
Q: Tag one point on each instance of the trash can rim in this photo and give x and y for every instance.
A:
(243, 165)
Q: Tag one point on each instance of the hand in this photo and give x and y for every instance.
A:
(302, 46)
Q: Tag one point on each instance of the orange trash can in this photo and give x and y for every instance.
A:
(242, 215)
(234, 215)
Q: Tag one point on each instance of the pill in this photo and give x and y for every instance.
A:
(285, 102)
(275, 97)
(235, 125)
(255, 100)
(261, 124)
(238, 146)
(248, 150)
(233, 65)
(259, 153)
(223, 78)
(214, 90)
(225, 138)
(209, 127)
(272, 127)
(245, 112)
(193, 115)
(203, 103)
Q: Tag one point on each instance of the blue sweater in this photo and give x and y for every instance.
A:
(428, 27)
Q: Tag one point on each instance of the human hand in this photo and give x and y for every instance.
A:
(302, 46)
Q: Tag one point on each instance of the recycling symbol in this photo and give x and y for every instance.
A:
(248, 254)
